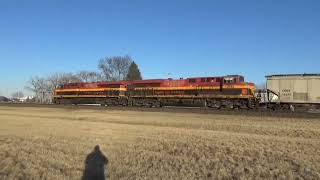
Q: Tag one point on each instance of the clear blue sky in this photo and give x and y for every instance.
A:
(182, 37)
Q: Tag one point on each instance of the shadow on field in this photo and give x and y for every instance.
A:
(94, 165)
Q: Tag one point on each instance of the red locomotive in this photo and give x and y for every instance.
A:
(216, 92)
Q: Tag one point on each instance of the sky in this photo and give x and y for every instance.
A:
(183, 38)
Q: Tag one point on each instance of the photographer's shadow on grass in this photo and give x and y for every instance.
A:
(95, 165)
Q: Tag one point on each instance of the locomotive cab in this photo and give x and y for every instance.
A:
(237, 82)
(233, 79)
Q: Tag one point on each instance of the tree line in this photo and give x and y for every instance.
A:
(114, 68)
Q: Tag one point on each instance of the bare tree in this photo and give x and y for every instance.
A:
(89, 76)
(43, 87)
(36, 83)
(115, 68)
(56, 79)
(69, 78)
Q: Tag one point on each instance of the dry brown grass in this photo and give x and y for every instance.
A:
(52, 143)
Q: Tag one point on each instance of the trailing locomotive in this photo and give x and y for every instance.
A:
(214, 92)
(111, 93)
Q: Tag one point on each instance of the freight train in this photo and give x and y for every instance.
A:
(213, 92)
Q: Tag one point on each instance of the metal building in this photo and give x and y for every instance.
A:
(294, 88)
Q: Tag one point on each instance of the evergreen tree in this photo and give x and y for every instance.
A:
(133, 73)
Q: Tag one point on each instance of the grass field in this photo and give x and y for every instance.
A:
(53, 143)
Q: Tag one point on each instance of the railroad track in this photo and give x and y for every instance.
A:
(179, 109)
